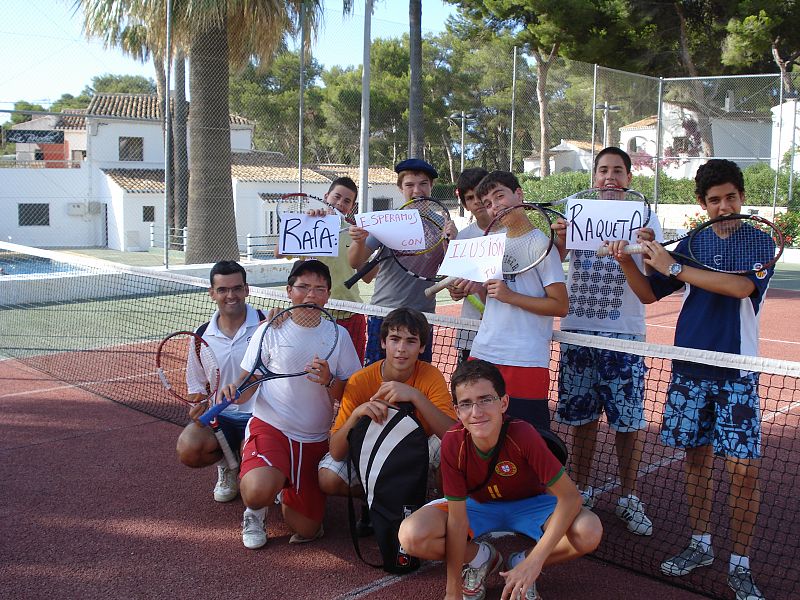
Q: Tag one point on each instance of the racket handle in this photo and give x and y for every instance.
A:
(212, 412)
(360, 273)
(439, 286)
(476, 302)
(629, 249)
(230, 458)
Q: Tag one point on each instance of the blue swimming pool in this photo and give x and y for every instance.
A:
(14, 263)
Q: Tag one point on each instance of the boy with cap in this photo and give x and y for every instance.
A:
(393, 287)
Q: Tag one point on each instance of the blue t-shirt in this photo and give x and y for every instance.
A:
(711, 321)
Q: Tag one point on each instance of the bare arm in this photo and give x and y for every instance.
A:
(555, 303)
(392, 392)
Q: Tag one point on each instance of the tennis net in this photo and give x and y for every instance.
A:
(96, 325)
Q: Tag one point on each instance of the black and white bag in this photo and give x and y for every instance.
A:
(392, 464)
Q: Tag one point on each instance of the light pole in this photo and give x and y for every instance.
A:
(463, 116)
(606, 108)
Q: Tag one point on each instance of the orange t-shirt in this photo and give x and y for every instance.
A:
(362, 385)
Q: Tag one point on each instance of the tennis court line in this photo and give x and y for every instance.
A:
(70, 386)
(384, 582)
(672, 327)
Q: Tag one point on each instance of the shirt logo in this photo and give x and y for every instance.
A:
(506, 468)
(761, 272)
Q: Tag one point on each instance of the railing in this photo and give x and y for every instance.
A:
(40, 164)
(177, 237)
(260, 246)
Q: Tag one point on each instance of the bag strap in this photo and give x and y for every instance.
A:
(495, 456)
(351, 516)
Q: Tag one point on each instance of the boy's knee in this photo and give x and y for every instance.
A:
(330, 483)
(189, 453)
(586, 532)
(410, 536)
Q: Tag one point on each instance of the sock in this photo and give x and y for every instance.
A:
(737, 560)
(705, 538)
(260, 513)
(481, 557)
(515, 559)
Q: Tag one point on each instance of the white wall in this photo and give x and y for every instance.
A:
(741, 139)
(785, 121)
(104, 143)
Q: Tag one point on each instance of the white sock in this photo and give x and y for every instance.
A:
(737, 560)
(259, 513)
(705, 538)
(481, 557)
(515, 559)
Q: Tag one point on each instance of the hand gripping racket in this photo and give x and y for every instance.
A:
(189, 371)
(727, 244)
(424, 263)
(287, 346)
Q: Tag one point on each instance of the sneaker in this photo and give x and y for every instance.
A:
(531, 594)
(227, 487)
(588, 497)
(254, 531)
(474, 578)
(631, 510)
(741, 582)
(299, 539)
(697, 554)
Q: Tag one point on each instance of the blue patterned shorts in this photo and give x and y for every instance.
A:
(725, 413)
(592, 380)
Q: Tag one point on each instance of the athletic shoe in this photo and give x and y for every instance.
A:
(227, 487)
(299, 539)
(531, 593)
(697, 554)
(588, 497)
(473, 579)
(631, 510)
(741, 582)
(254, 531)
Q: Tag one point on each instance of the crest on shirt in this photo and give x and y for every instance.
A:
(505, 468)
(761, 272)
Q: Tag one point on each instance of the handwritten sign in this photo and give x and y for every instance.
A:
(396, 229)
(304, 235)
(477, 259)
(590, 222)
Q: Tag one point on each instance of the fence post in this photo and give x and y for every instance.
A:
(185, 239)
(659, 142)
(152, 235)
(249, 247)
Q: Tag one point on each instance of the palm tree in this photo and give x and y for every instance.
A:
(219, 34)
(416, 135)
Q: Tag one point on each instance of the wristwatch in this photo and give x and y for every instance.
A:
(675, 270)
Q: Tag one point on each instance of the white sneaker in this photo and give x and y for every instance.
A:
(631, 510)
(227, 487)
(254, 531)
(588, 497)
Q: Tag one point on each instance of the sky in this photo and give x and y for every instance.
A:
(43, 53)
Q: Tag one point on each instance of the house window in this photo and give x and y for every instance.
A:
(148, 214)
(131, 148)
(381, 204)
(33, 215)
(680, 143)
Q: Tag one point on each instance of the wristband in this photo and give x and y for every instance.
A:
(329, 385)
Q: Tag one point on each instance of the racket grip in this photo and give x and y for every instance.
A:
(212, 412)
(629, 249)
(230, 458)
(439, 286)
(476, 302)
(360, 273)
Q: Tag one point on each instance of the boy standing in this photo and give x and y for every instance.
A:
(712, 410)
(517, 323)
(593, 381)
(498, 475)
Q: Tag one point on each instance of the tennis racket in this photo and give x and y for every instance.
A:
(424, 263)
(529, 237)
(299, 202)
(728, 244)
(189, 371)
(440, 285)
(288, 344)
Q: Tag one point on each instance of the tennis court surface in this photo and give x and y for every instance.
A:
(95, 503)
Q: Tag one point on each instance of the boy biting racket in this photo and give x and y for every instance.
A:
(593, 381)
(712, 410)
(227, 333)
(498, 475)
(288, 433)
(517, 323)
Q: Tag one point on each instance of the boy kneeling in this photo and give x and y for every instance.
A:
(511, 498)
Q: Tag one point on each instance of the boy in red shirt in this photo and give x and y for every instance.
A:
(498, 475)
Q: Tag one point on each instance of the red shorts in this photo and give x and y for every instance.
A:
(526, 382)
(266, 446)
(356, 326)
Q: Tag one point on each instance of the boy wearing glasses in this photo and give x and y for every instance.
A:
(498, 475)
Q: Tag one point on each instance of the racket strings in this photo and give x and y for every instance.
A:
(736, 245)
(187, 366)
(528, 236)
(295, 337)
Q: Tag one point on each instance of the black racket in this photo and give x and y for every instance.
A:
(529, 237)
(424, 263)
(288, 344)
(728, 244)
(190, 372)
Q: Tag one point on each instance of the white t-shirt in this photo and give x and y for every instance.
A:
(298, 407)
(511, 336)
(599, 297)
(229, 353)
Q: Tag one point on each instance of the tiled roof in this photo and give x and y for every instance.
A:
(375, 175)
(587, 146)
(270, 167)
(138, 181)
(646, 123)
(136, 106)
(72, 119)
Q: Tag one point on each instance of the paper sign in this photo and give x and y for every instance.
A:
(477, 259)
(590, 222)
(304, 235)
(395, 229)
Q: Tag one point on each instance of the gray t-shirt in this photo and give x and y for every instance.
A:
(395, 288)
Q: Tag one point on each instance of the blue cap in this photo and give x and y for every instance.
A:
(416, 164)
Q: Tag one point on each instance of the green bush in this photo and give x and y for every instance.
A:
(789, 224)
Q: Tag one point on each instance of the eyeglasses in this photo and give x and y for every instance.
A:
(305, 289)
(222, 291)
(485, 402)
